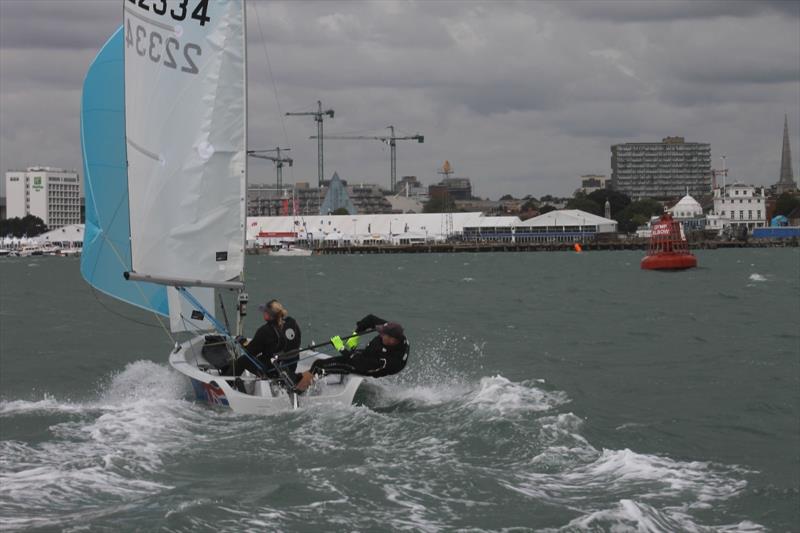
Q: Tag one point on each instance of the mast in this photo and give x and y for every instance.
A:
(241, 300)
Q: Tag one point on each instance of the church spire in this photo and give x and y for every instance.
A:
(786, 181)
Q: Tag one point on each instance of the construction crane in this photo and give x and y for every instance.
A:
(319, 116)
(277, 159)
(387, 139)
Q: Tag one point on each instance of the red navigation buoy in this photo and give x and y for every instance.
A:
(668, 247)
(577, 247)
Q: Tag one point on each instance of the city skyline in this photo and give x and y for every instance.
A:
(521, 98)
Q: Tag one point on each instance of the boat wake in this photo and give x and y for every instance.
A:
(426, 451)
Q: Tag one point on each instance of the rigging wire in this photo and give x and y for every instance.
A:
(274, 84)
(282, 116)
(117, 313)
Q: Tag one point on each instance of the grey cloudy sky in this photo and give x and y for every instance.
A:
(522, 97)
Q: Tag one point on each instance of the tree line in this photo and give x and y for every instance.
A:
(27, 226)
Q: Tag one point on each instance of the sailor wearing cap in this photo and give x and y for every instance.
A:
(386, 354)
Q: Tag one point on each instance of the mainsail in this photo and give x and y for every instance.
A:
(106, 247)
(185, 95)
(185, 133)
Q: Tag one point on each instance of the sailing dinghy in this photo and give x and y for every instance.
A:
(164, 139)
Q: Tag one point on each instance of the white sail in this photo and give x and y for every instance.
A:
(185, 134)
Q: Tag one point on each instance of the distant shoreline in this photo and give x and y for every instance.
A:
(461, 247)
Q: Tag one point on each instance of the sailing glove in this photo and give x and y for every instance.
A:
(352, 342)
(337, 343)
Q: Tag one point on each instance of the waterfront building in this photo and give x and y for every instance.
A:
(786, 181)
(416, 228)
(689, 213)
(360, 229)
(64, 238)
(687, 207)
(738, 207)
(52, 194)
(661, 170)
(568, 225)
(593, 182)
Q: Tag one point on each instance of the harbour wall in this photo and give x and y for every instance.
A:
(472, 247)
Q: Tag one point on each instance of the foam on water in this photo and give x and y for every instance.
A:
(107, 451)
(48, 404)
(632, 479)
(501, 396)
(416, 447)
(629, 515)
(757, 277)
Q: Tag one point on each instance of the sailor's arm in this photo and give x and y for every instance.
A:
(369, 322)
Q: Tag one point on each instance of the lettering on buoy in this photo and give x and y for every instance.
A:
(668, 249)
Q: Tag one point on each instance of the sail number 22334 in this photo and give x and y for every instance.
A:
(197, 11)
(167, 51)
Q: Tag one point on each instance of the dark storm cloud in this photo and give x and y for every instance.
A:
(521, 96)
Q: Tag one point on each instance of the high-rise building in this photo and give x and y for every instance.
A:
(786, 182)
(52, 194)
(669, 169)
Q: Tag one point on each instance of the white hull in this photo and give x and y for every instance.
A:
(267, 398)
(291, 252)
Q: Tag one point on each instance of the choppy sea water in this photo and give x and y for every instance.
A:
(546, 392)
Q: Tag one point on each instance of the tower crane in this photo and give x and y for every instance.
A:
(319, 116)
(277, 159)
(387, 139)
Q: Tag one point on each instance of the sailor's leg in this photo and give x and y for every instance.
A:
(334, 365)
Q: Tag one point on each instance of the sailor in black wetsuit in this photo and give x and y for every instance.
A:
(280, 333)
(386, 354)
